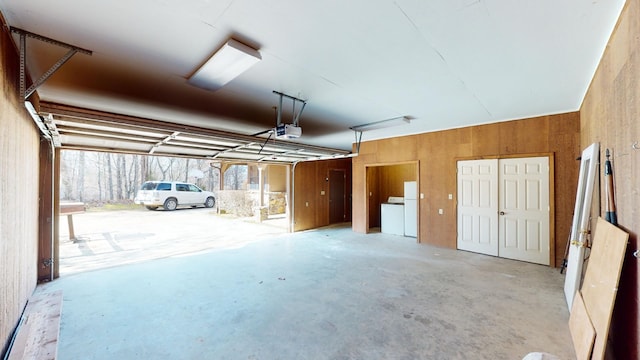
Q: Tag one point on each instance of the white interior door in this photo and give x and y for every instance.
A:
(478, 206)
(524, 209)
(580, 222)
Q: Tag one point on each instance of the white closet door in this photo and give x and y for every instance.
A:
(524, 209)
(478, 206)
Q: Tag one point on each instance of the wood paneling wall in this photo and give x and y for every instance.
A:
(610, 114)
(437, 153)
(19, 169)
(311, 208)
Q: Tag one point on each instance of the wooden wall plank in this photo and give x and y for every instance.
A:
(486, 139)
(609, 114)
(373, 197)
(438, 152)
(45, 233)
(19, 169)
(311, 208)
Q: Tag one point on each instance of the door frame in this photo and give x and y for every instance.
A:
(368, 190)
(552, 195)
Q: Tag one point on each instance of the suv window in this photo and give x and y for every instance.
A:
(194, 188)
(148, 186)
(182, 187)
(164, 186)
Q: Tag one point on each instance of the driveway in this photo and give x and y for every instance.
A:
(112, 238)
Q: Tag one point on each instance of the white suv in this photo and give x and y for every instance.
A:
(171, 194)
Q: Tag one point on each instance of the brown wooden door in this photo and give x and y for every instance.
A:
(337, 196)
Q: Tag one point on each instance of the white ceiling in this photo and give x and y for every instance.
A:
(444, 63)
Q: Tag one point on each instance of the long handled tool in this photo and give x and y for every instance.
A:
(610, 214)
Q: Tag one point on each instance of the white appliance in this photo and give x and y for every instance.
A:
(392, 216)
(287, 131)
(411, 208)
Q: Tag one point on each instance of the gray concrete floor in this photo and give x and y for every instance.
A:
(114, 238)
(323, 294)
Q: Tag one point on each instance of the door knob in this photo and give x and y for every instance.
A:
(501, 212)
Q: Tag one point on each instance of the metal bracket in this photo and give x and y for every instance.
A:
(26, 93)
(164, 141)
(296, 116)
(358, 134)
(47, 262)
(579, 243)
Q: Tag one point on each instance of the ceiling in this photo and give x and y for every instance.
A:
(443, 63)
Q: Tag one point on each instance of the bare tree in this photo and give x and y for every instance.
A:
(100, 170)
(163, 170)
(235, 176)
(80, 184)
(144, 168)
(95, 176)
(67, 171)
(110, 172)
(120, 171)
(186, 171)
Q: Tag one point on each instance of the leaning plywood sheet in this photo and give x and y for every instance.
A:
(601, 280)
(582, 332)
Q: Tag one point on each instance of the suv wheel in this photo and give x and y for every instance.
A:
(170, 204)
(210, 202)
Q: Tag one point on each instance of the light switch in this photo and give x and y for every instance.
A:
(321, 192)
(450, 196)
(421, 195)
(306, 204)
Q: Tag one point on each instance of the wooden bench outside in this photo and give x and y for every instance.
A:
(69, 209)
(39, 328)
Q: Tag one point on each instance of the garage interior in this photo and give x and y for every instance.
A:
(458, 80)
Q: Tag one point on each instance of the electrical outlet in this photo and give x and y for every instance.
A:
(450, 196)
(440, 211)
(321, 192)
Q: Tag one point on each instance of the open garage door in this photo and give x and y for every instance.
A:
(73, 128)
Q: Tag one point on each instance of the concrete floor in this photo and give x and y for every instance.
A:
(322, 294)
(114, 238)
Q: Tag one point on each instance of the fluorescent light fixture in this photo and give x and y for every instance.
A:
(382, 124)
(230, 61)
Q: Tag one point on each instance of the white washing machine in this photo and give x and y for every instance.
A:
(392, 216)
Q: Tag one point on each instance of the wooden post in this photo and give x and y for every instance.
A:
(72, 234)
